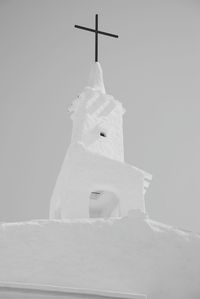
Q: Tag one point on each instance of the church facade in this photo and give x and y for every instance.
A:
(79, 254)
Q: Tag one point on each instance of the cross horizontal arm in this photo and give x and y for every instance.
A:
(108, 34)
(84, 28)
(93, 30)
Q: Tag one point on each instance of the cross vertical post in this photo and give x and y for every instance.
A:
(96, 38)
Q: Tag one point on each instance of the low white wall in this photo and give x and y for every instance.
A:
(129, 255)
(30, 291)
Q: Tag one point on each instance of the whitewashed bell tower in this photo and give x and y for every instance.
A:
(94, 180)
(97, 119)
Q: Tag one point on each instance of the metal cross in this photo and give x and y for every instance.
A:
(96, 35)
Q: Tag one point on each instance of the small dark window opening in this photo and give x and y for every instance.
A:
(102, 134)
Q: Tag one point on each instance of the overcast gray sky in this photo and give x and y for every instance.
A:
(153, 69)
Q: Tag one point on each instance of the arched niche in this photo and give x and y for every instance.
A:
(103, 204)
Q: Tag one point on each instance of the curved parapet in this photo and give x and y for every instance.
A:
(34, 291)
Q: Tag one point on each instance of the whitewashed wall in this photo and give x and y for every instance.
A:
(133, 254)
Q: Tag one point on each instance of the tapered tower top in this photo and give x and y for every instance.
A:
(96, 78)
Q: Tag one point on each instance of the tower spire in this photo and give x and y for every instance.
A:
(96, 78)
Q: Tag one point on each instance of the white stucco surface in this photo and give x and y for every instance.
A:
(94, 112)
(83, 172)
(13, 290)
(95, 158)
(132, 254)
